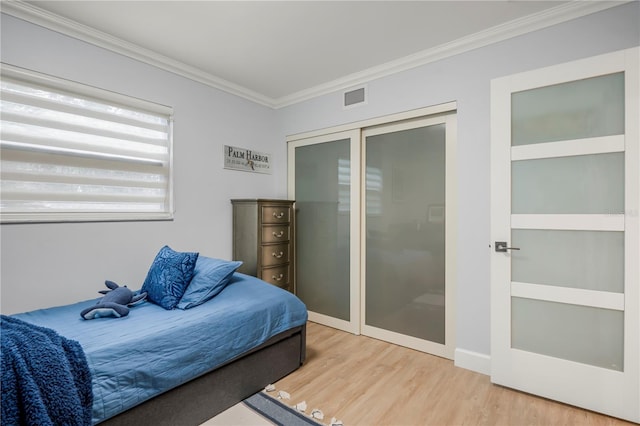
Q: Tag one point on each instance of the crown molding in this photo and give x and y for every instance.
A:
(68, 27)
(553, 16)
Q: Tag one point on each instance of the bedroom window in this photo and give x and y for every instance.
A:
(71, 152)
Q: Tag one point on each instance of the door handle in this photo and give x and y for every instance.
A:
(501, 247)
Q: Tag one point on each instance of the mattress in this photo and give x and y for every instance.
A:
(152, 350)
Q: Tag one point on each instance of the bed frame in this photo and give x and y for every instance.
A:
(196, 401)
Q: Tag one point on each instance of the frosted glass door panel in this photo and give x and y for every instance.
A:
(591, 260)
(584, 184)
(322, 227)
(579, 109)
(577, 333)
(405, 232)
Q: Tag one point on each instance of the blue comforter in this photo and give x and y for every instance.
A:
(45, 377)
(152, 350)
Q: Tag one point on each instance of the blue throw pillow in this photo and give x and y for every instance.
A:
(169, 275)
(210, 278)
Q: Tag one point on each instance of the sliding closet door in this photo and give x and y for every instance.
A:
(376, 219)
(325, 173)
(407, 262)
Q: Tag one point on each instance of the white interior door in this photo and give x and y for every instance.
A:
(565, 233)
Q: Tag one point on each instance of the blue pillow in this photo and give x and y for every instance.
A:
(210, 278)
(169, 275)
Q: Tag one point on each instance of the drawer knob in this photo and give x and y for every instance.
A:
(277, 278)
(278, 215)
(278, 235)
(277, 255)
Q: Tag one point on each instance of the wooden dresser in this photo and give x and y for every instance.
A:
(263, 239)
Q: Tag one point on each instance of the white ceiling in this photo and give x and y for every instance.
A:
(278, 51)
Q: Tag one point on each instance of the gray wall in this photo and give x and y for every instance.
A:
(49, 264)
(465, 78)
(52, 264)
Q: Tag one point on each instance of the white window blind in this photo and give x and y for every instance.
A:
(70, 152)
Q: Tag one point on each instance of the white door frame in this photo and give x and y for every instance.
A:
(607, 391)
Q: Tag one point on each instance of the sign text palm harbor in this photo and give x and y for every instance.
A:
(246, 160)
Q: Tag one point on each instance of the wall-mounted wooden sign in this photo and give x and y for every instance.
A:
(246, 160)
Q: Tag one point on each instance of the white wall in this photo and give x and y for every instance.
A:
(466, 79)
(51, 264)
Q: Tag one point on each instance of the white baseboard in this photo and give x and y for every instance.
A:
(474, 361)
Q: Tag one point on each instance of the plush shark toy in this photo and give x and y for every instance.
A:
(115, 303)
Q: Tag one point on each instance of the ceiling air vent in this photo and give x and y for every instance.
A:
(355, 97)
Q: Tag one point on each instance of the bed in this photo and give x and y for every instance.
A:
(183, 366)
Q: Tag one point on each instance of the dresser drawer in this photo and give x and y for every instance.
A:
(275, 255)
(278, 276)
(276, 214)
(275, 233)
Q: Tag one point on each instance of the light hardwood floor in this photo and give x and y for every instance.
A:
(363, 381)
